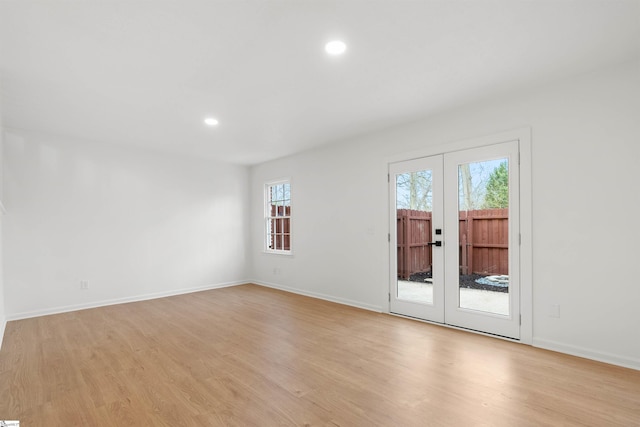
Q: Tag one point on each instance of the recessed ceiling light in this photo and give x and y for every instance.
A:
(210, 121)
(335, 47)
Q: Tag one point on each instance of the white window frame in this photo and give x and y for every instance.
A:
(268, 218)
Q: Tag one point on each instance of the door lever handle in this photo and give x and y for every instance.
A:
(436, 243)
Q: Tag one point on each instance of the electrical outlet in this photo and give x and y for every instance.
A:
(84, 284)
(554, 310)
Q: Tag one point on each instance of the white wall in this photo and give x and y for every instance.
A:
(585, 150)
(3, 320)
(135, 224)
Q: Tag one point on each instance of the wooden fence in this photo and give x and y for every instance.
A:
(413, 234)
(484, 237)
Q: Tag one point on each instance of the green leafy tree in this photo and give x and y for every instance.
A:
(497, 195)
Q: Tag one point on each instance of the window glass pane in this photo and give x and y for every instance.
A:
(414, 199)
(278, 241)
(483, 200)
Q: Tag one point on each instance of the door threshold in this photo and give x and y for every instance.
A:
(459, 328)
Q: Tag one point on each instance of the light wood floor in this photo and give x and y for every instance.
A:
(252, 356)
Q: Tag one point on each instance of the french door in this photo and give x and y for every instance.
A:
(455, 239)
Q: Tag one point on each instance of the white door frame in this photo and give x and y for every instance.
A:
(523, 136)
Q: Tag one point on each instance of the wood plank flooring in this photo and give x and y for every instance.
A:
(252, 356)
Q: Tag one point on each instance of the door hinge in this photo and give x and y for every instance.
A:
(520, 239)
(388, 237)
(521, 320)
(388, 177)
(389, 296)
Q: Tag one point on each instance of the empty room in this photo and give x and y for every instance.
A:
(327, 213)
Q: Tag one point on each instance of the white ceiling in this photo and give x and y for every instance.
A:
(146, 73)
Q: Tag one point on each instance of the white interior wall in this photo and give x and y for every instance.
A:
(3, 320)
(134, 224)
(585, 146)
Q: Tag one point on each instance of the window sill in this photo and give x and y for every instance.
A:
(281, 253)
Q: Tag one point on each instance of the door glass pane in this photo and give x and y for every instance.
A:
(483, 213)
(413, 215)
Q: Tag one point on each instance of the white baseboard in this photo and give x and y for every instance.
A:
(102, 303)
(318, 295)
(3, 325)
(613, 359)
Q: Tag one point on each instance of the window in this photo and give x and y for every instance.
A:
(278, 217)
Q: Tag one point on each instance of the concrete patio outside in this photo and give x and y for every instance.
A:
(474, 299)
